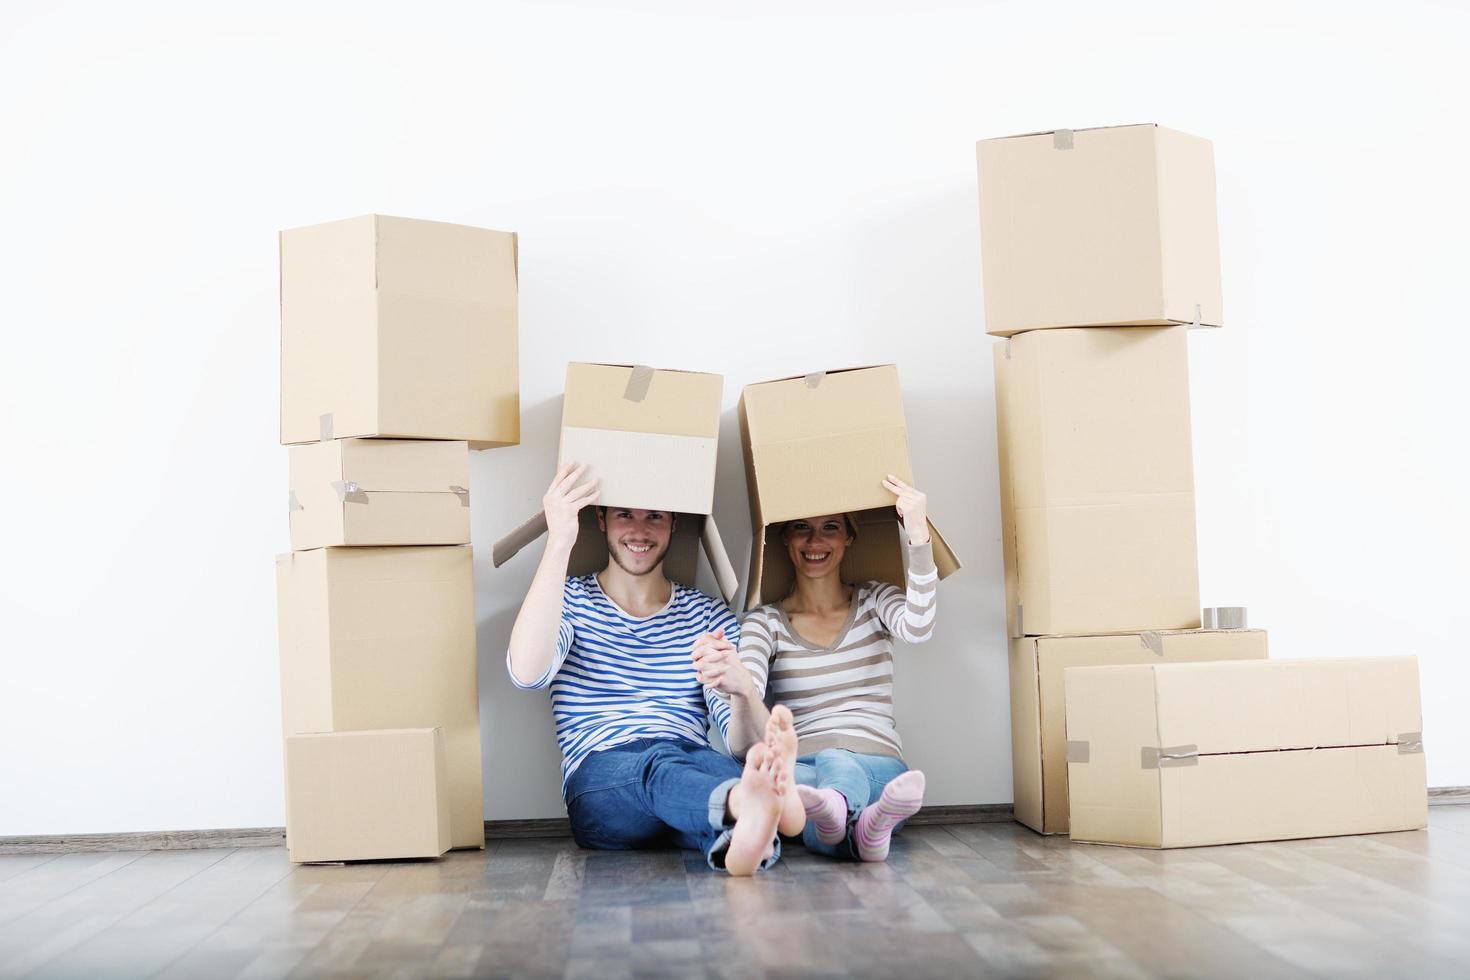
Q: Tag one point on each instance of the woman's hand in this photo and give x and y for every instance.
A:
(913, 509)
(717, 664)
(564, 501)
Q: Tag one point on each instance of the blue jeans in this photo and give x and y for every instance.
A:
(859, 778)
(654, 792)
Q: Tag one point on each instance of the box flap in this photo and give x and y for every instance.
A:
(405, 465)
(1271, 705)
(642, 399)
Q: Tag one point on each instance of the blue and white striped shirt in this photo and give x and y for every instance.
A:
(617, 678)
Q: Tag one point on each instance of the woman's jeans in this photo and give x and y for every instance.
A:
(653, 792)
(860, 778)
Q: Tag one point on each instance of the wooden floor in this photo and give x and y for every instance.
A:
(952, 901)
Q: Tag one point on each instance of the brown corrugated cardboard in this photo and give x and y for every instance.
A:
(1180, 755)
(650, 436)
(1098, 227)
(366, 795)
(385, 638)
(379, 492)
(1096, 481)
(397, 327)
(823, 443)
(1038, 729)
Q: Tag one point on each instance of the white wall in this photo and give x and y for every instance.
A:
(755, 189)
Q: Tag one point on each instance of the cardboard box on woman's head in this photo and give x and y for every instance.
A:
(651, 437)
(823, 443)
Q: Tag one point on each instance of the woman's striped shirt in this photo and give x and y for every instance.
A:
(842, 695)
(617, 678)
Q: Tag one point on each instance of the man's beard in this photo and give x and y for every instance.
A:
(614, 553)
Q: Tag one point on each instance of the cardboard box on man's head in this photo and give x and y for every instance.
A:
(1113, 226)
(650, 436)
(397, 327)
(823, 443)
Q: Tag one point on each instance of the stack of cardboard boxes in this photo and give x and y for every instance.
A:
(1101, 250)
(398, 356)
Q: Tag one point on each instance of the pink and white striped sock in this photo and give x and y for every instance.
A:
(901, 799)
(827, 810)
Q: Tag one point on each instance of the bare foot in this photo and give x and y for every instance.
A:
(781, 739)
(756, 806)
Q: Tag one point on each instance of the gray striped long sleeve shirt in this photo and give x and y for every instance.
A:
(842, 695)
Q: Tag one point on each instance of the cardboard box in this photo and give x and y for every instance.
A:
(1099, 227)
(385, 638)
(823, 443)
(363, 796)
(650, 435)
(396, 327)
(1038, 716)
(1096, 481)
(1180, 755)
(379, 492)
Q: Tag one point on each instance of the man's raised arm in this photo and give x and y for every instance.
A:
(534, 638)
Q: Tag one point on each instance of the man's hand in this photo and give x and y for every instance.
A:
(913, 509)
(717, 664)
(564, 501)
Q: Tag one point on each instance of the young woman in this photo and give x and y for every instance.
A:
(826, 651)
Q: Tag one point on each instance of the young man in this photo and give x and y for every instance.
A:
(637, 665)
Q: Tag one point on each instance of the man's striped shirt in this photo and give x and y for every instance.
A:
(842, 695)
(617, 678)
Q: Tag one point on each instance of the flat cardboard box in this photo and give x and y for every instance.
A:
(1038, 715)
(1183, 755)
(823, 443)
(1096, 481)
(385, 638)
(394, 327)
(379, 492)
(1113, 226)
(650, 436)
(366, 796)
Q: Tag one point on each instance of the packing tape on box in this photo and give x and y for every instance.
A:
(462, 492)
(325, 428)
(1008, 348)
(349, 492)
(1079, 752)
(1223, 618)
(294, 503)
(814, 379)
(638, 382)
(1169, 756)
(1197, 315)
(1411, 743)
(1152, 641)
(1061, 139)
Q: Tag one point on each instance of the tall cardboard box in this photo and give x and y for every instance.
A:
(823, 443)
(1181, 755)
(397, 327)
(385, 638)
(651, 437)
(1099, 227)
(369, 795)
(1096, 481)
(1038, 715)
(379, 492)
